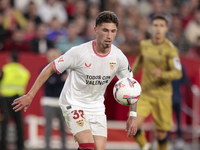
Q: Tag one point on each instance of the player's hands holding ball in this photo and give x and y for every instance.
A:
(22, 102)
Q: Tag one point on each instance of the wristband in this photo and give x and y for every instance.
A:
(133, 113)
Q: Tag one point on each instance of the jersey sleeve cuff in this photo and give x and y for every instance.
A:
(54, 66)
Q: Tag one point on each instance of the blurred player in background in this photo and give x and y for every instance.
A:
(92, 67)
(50, 101)
(13, 81)
(161, 64)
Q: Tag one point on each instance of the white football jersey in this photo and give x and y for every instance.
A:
(90, 74)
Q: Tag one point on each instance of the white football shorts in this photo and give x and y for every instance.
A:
(77, 120)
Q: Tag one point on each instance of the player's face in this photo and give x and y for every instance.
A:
(106, 33)
(159, 28)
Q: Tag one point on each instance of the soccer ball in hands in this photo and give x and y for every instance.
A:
(127, 91)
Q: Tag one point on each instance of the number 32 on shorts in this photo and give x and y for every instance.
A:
(78, 114)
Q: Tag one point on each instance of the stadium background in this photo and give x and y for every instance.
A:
(76, 27)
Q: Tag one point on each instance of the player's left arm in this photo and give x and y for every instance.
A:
(175, 68)
(131, 124)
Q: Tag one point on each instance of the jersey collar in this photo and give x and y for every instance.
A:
(98, 53)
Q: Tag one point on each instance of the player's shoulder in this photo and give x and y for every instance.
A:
(80, 49)
(170, 45)
(116, 50)
(85, 45)
(146, 42)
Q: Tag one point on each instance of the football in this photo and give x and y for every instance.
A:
(127, 91)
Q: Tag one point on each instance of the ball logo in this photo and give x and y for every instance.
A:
(112, 65)
(129, 98)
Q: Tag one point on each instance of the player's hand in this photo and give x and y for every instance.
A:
(157, 72)
(22, 102)
(131, 126)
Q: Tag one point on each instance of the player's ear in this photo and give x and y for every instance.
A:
(95, 29)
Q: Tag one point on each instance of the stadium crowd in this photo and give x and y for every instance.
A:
(38, 25)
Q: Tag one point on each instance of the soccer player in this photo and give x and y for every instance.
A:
(92, 66)
(161, 64)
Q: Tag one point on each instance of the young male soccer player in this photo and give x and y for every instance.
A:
(161, 65)
(92, 66)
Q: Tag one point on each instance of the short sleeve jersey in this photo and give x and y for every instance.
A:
(90, 74)
(163, 56)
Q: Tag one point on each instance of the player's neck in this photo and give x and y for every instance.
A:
(100, 49)
(157, 41)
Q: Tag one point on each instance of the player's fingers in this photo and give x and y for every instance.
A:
(16, 101)
(20, 108)
(129, 132)
(135, 131)
(17, 106)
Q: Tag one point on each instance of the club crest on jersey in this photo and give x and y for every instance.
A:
(112, 65)
(80, 122)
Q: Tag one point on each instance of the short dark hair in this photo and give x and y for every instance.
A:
(107, 17)
(159, 17)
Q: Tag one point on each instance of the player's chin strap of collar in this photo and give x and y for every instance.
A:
(86, 146)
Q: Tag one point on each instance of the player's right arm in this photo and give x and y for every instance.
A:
(25, 101)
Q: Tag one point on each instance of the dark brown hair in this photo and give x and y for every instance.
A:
(107, 17)
(159, 17)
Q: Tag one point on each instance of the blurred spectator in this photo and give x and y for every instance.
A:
(29, 33)
(52, 9)
(93, 11)
(110, 4)
(130, 46)
(12, 18)
(194, 4)
(80, 8)
(185, 13)
(158, 9)
(127, 3)
(14, 78)
(142, 28)
(3, 31)
(72, 39)
(132, 16)
(56, 30)
(50, 101)
(145, 7)
(89, 33)
(70, 8)
(119, 10)
(16, 42)
(31, 13)
(41, 44)
(81, 22)
(22, 4)
(170, 7)
(177, 36)
(192, 31)
(194, 51)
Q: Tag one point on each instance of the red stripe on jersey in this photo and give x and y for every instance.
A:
(54, 66)
(99, 54)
